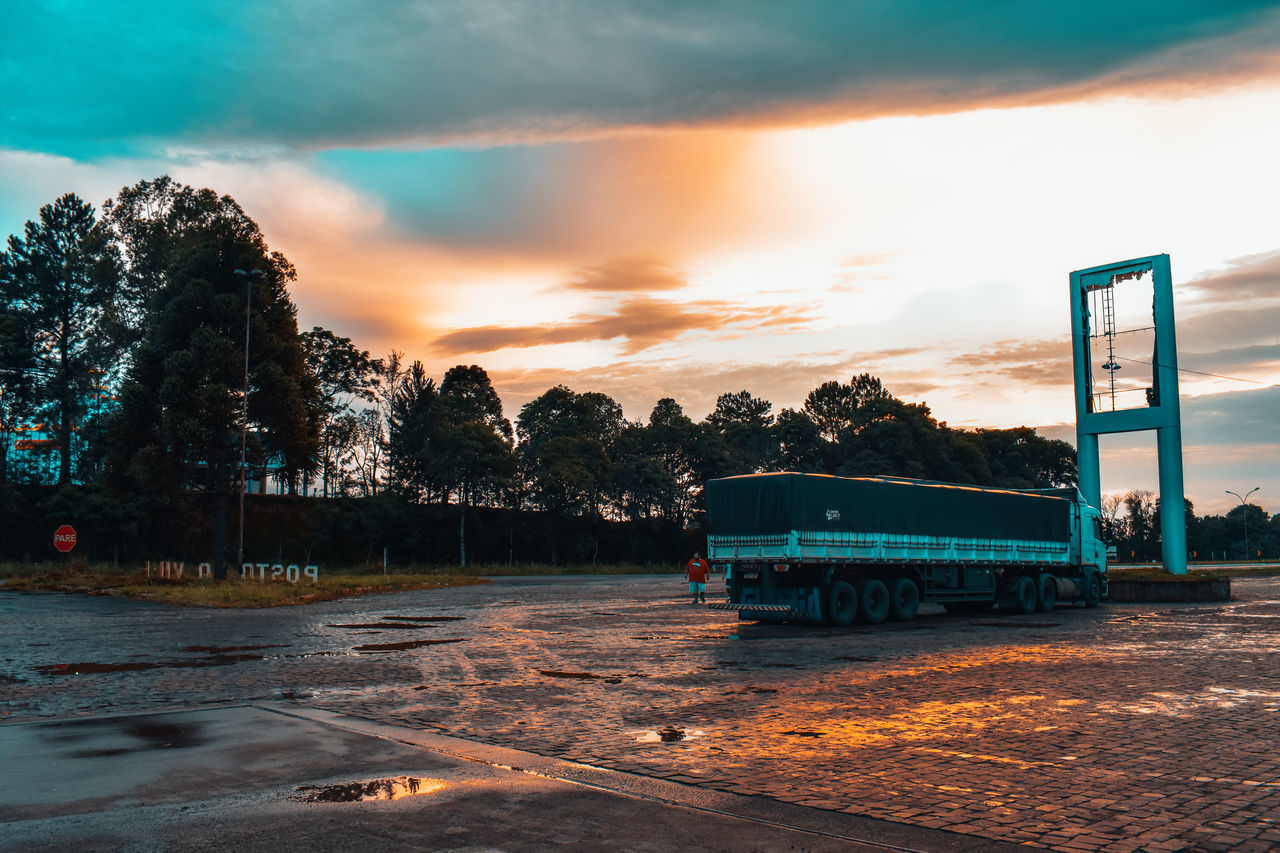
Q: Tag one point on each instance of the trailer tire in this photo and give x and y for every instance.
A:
(904, 600)
(1024, 597)
(1092, 595)
(842, 604)
(873, 601)
(1048, 593)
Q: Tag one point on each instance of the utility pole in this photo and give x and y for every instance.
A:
(1244, 515)
(244, 413)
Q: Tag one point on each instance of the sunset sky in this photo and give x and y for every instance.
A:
(680, 199)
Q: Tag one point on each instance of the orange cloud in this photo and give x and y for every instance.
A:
(1042, 362)
(1251, 277)
(637, 274)
(640, 322)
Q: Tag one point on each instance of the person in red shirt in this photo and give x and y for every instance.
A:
(695, 571)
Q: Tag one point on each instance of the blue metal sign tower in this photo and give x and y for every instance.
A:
(1106, 339)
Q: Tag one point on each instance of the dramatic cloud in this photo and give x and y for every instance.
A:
(640, 322)
(629, 275)
(1252, 277)
(1033, 362)
(322, 73)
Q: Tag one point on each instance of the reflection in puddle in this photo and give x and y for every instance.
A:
(146, 732)
(394, 788)
(667, 735)
(556, 673)
(89, 667)
(389, 626)
(424, 618)
(407, 644)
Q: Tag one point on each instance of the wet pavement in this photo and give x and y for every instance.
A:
(1126, 727)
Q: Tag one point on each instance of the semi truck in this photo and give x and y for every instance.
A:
(835, 550)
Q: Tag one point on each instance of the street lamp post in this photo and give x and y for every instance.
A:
(1244, 515)
(244, 412)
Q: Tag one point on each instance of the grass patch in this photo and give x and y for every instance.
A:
(81, 577)
(1156, 572)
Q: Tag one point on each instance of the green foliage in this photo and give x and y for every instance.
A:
(181, 404)
(58, 288)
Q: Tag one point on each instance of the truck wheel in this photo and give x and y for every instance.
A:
(904, 600)
(1048, 593)
(1092, 591)
(842, 604)
(873, 601)
(1024, 596)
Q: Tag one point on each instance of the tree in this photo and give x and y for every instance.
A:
(17, 357)
(473, 441)
(672, 437)
(800, 442)
(831, 408)
(473, 398)
(1021, 459)
(345, 374)
(410, 430)
(181, 407)
(1142, 539)
(742, 421)
(58, 284)
(564, 439)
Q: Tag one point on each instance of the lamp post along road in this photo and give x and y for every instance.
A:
(244, 412)
(1244, 515)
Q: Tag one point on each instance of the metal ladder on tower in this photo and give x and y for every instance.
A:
(1109, 332)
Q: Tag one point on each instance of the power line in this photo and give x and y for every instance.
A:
(1202, 373)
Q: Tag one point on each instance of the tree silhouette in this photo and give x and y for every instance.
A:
(58, 283)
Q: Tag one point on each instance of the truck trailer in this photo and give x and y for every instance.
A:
(834, 550)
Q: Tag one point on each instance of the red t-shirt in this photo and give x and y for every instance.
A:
(696, 570)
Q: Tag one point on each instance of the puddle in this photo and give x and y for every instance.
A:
(407, 644)
(555, 673)
(380, 625)
(92, 668)
(667, 735)
(424, 618)
(147, 732)
(994, 624)
(394, 788)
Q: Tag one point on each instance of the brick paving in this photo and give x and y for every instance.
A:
(1123, 728)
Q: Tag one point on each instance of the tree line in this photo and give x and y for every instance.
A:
(1132, 522)
(123, 338)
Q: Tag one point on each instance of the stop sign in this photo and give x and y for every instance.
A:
(64, 538)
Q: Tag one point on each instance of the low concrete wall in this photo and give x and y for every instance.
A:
(1216, 589)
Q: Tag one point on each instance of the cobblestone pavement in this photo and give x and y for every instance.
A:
(1122, 728)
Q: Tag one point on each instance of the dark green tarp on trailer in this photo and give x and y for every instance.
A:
(762, 504)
